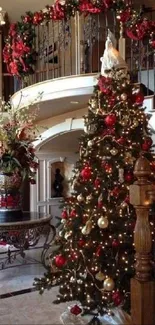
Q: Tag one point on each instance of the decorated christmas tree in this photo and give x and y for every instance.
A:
(94, 261)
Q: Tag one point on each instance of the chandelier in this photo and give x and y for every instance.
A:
(2, 16)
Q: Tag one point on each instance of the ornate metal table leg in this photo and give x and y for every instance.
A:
(50, 232)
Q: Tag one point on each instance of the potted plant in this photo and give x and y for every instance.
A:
(17, 155)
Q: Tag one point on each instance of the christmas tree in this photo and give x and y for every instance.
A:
(95, 258)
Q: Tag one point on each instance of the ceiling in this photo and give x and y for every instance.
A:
(20, 7)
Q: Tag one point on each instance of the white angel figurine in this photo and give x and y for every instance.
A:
(111, 58)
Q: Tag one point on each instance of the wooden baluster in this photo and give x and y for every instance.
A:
(142, 285)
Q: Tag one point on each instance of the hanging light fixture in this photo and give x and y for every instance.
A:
(2, 16)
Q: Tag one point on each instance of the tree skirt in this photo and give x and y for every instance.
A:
(119, 317)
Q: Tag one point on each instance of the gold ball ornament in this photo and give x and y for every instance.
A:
(114, 151)
(124, 96)
(135, 123)
(80, 198)
(109, 284)
(90, 143)
(87, 228)
(103, 222)
(100, 276)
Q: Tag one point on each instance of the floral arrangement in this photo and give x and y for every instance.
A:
(17, 133)
(19, 52)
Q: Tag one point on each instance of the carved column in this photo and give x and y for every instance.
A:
(142, 286)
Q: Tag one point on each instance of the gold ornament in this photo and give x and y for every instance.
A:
(124, 121)
(135, 123)
(100, 276)
(124, 96)
(90, 143)
(89, 198)
(114, 151)
(80, 198)
(87, 228)
(109, 284)
(103, 222)
(129, 159)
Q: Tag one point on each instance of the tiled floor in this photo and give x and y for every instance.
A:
(21, 307)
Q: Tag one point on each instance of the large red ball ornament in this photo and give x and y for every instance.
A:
(86, 173)
(60, 260)
(110, 120)
(128, 176)
(117, 298)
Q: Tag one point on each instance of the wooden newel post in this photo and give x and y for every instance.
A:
(142, 286)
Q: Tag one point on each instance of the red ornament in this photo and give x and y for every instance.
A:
(60, 260)
(128, 176)
(64, 214)
(110, 120)
(115, 192)
(121, 141)
(81, 243)
(115, 243)
(86, 173)
(97, 183)
(74, 256)
(32, 181)
(117, 298)
(138, 98)
(147, 144)
(73, 213)
(76, 310)
(107, 166)
(87, 6)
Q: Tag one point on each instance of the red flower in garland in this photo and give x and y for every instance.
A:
(125, 15)
(87, 6)
(57, 11)
(12, 30)
(13, 68)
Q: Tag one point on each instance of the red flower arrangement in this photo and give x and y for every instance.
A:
(17, 133)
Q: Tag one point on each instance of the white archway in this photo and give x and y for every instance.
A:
(41, 202)
(68, 125)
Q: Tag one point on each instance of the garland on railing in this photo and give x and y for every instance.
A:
(19, 52)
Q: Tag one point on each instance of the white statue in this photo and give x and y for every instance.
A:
(111, 58)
